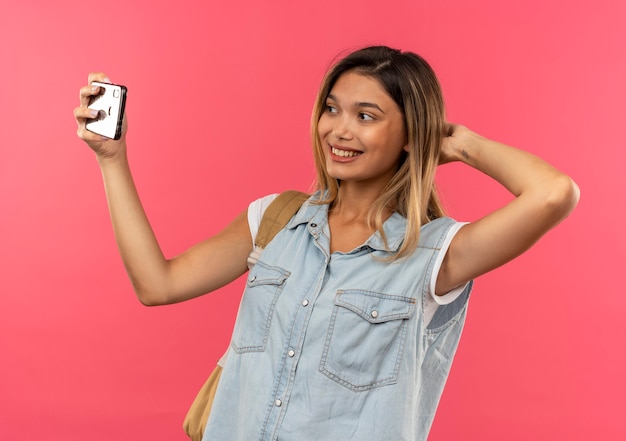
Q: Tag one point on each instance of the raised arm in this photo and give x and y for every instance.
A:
(157, 280)
(543, 197)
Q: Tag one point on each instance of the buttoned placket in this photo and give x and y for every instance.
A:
(295, 342)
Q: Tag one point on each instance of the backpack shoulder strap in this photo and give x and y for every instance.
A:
(277, 214)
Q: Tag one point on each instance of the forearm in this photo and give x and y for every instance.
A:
(543, 197)
(523, 174)
(203, 268)
(138, 246)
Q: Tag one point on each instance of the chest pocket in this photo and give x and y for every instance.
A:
(366, 338)
(263, 287)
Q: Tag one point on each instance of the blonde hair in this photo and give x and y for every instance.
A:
(412, 84)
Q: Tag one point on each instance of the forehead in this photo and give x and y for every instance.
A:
(356, 87)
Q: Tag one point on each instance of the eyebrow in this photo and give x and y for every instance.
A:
(360, 103)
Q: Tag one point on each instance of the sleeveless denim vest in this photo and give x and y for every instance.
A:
(335, 347)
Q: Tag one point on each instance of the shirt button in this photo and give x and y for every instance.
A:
(313, 225)
(305, 302)
(278, 403)
(374, 314)
(291, 352)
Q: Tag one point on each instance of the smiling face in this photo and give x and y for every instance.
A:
(361, 131)
(369, 140)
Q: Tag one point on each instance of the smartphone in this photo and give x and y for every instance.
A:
(109, 103)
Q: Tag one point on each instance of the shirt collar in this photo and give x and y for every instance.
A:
(316, 216)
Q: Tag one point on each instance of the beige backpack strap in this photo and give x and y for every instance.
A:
(277, 214)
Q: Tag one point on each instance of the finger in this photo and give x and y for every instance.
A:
(89, 136)
(81, 114)
(450, 128)
(98, 76)
(86, 93)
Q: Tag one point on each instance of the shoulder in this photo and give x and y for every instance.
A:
(434, 233)
(256, 210)
(259, 206)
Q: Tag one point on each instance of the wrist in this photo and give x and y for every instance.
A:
(468, 147)
(109, 159)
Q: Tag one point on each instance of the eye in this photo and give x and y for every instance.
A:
(331, 109)
(365, 117)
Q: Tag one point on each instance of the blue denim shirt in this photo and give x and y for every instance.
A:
(335, 347)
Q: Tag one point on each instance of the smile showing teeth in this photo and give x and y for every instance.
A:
(344, 153)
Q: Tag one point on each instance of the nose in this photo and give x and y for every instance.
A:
(342, 128)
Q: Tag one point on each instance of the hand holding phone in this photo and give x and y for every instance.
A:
(109, 103)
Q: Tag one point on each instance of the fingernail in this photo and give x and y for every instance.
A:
(94, 88)
(93, 113)
(106, 80)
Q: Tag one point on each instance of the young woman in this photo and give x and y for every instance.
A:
(352, 314)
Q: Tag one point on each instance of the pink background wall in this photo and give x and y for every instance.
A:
(219, 101)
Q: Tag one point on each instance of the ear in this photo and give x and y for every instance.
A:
(406, 148)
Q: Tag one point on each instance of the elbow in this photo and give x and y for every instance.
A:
(148, 300)
(150, 297)
(563, 197)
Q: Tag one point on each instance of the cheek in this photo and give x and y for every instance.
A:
(322, 134)
(322, 127)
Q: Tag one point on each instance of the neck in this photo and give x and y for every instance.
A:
(354, 201)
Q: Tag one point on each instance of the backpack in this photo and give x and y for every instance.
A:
(274, 219)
